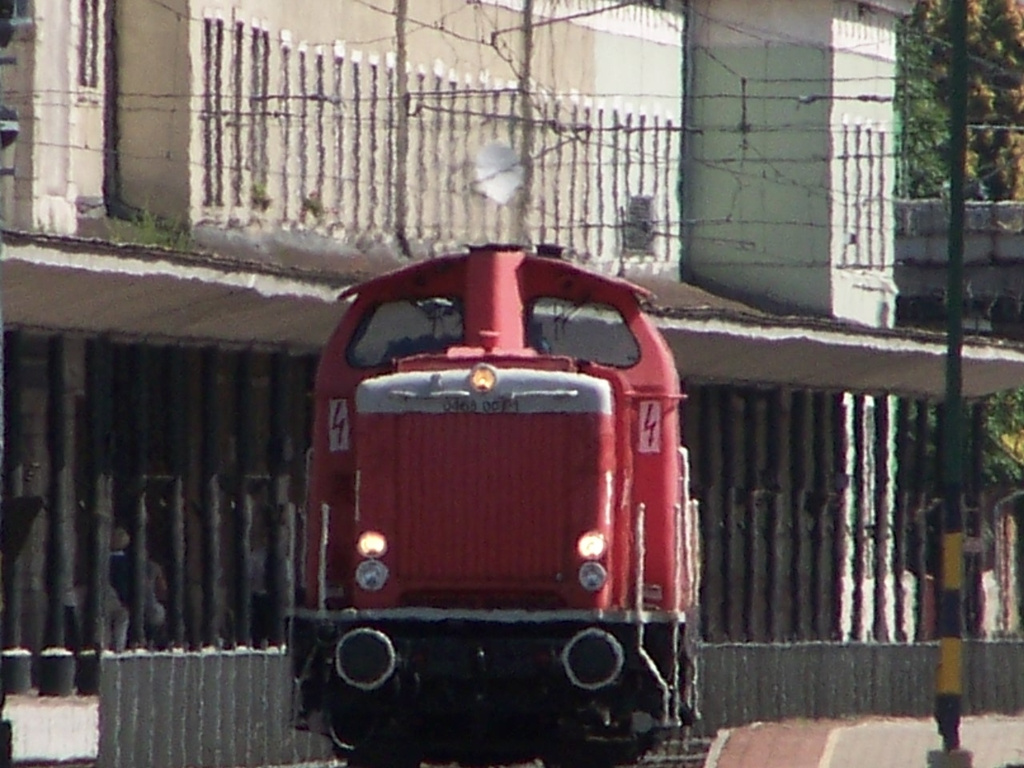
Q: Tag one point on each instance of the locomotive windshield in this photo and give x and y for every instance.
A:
(589, 331)
(408, 327)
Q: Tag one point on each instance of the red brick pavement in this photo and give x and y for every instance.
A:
(988, 742)
(797, 744)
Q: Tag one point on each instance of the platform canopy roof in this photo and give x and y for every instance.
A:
(92, 287)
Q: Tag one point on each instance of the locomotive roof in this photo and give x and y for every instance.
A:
(433, 265)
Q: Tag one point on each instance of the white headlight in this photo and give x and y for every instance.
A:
(592, 576)
(371, 575)
(371, 544)
(591, 545)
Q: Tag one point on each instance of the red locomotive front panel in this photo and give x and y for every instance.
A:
(499, 553)
(485, 497)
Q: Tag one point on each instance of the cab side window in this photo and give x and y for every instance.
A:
(403, 328)
(590, 331)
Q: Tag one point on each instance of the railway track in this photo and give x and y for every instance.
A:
(684, 752)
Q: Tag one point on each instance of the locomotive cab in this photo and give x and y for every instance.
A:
(500, 555)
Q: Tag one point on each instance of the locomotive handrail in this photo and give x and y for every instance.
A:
(405, 394)
(325, 530)
(641, 556)
(545, 393)
(677, 575)
(632, 394)
(668, 716)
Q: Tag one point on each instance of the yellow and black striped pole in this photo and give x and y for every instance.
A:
(949, 679)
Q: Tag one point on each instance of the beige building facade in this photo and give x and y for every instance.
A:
(792, 161)
(247, 121)
(251, 126)
(57, 88)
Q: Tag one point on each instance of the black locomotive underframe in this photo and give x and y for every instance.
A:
(474, 689)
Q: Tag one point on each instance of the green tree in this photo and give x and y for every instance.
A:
(995, 162)
(1004, 434)
(923, 115)
(995, 40)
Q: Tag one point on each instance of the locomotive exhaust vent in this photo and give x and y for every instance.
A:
(365, 658)
(592, 659)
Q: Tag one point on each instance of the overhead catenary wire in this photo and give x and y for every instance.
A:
(585, 133)
(577, 132)
(439, 28)
(751, 30)
(725, 220)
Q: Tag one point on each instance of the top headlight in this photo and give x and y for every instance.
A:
(483, 378)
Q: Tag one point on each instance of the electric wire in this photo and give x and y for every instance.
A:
(724, 164)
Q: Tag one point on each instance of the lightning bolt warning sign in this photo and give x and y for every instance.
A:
(650, 427)
(338, 425)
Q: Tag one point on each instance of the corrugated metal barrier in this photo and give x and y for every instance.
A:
(206, 708)
(231, 708)
(744, 683)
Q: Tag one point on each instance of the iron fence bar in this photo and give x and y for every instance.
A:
(177, 411)
(138, 396)
(243, 629)
(211, 466)
(56, 665)
(279, 454)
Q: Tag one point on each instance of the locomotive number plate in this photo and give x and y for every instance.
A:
(476, 405)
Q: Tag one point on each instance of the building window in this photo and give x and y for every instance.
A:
(638, 228)
(88, 43)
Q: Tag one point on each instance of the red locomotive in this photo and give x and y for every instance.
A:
(501, 554)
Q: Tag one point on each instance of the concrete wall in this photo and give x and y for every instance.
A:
(784, 205)
(757, 197)
(863, 170)
(56, 86)
(253, 118)
(155, 106)
(190, 82)
(993, 248)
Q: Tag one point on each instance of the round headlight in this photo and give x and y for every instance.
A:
(371, 544)
(371, 575)
(483, 378)
(591, 545)
(593, 576)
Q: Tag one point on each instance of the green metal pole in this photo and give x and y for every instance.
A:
(949, 678)
(6, 735)
(9, 21)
